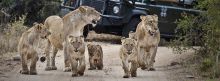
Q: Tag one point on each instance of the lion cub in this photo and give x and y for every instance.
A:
(75, 49)
(95, 57)
(27, 49)
(128, 54)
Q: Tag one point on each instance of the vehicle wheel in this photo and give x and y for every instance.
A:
(131, 26)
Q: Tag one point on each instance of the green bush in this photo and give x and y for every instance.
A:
(202, 30)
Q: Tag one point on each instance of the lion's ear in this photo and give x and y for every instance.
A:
(142, 17)
(155, 16)
(82, 9)
(39, 27)
(88, 45)
(35, 23)
(122, 39)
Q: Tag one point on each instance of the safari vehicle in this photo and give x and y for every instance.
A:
(118, 16)
(122, 16)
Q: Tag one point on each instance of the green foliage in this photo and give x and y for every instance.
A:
(34, 10)
(202, 30)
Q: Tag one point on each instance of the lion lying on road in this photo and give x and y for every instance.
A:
(27, 49)
(148, 37)
(72, 23)
(75, 51)
(95, 57)
(128, 54)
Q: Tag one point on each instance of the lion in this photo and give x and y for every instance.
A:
(27, 48)
(128, 54)
(148, 37)
(72, 23)
(95, 57)
(75, 51)
(54, 41)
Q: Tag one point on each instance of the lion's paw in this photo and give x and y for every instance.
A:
(24, 72)
(74, 75)
(67, 69)
(126, 76)
(47, 68)
(53, 68)
(33, 73)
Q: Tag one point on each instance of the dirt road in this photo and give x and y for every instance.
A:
(112, 69)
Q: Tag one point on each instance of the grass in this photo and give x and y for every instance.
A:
(10, 35)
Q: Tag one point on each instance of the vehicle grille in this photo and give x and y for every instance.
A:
(109, 8)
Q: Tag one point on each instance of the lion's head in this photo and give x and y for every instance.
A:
(42, 30)
(128, 45)
(95, 52)
(76, 42)
(151, 23)
(90, 15)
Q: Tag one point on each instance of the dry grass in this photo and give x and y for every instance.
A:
(10, 35)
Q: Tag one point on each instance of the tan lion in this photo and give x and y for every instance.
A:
(27, 49)
(75, 53)
(148, 37)
(95, 57)
(128, 54)
(72, 23)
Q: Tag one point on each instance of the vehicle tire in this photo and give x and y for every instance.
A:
(131, 26)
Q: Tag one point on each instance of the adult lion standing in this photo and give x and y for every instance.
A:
(73, 24)
(148, 37)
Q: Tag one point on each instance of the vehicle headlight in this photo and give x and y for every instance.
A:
(115, 9)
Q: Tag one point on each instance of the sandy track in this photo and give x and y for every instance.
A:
(112, 68)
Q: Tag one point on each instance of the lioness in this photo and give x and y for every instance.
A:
(74, 50)
(72, 23)
(27, 49)
(148, 37)
(95, 56)
(128, 54)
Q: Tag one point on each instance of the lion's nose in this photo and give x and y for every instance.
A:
(95, 60)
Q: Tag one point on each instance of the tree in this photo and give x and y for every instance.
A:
(34, 10)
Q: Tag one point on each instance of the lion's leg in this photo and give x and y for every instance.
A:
(66, 60)
(91, 62)
(34, 59)
(82, 67)
(74, 65)
(147, 60)
(24, 69)
(125, 66)
(47, 52)
(100, 65)
(152, 58)
(134, 66)
(53, 67)
(141, 58)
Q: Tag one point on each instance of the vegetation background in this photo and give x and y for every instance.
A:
(203, 30)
